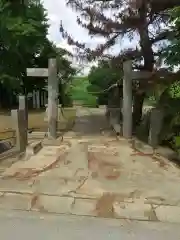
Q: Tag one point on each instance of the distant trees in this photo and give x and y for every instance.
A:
(101, 78)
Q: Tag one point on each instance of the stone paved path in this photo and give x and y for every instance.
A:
(92, 173)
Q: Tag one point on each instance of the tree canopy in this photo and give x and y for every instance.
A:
(140, 23)
(172, 52)
(24, 43)
(23, 33)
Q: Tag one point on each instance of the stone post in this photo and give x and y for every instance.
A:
(19, 125)
(52, 98)
(45, 98)
(127, 100)
(42, 98)
(156, 120)
(38, 99)
(34, 98)
(24, 110)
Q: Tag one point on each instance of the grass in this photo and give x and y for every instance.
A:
(35, 121)
(79, 92)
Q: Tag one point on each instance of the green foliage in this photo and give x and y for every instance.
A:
(174, 90)
(176, 143)
(169, 101)
(23, 33)
(24, 43)
(172, 52)
(161, 91)
(78, 92)
(101, 77)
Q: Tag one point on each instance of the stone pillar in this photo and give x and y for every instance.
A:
(127, 100)
(42, 98)
(24, 109)
(156, 120)
(19, 125)
(38, 99)
(34, 98)
(45, 98)
(52, 98)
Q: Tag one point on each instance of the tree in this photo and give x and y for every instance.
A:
(23, 32)
(101, 78)
(144, 21)
(24, 43)
(172, 53)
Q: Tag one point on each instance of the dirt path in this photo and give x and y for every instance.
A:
(90, 122)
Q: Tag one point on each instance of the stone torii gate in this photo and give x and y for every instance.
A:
(52, 74)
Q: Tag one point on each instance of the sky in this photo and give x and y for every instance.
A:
(57, 11)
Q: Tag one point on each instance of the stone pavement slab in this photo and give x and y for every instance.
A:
(15, 201)
(84, 207)
(15, 186)
(52, 204)
(133, 211)
(168, 213)
(102, 179)
(90, 189)
(119, 168)
(106, 207)
(56, 187)
(94, 175)
(44, 160)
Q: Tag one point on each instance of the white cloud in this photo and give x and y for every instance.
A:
(57, 11)
(63, 44)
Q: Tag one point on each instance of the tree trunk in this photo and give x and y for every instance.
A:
(138, 108)
(147, 53)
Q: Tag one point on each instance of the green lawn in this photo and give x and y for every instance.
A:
(79, 92)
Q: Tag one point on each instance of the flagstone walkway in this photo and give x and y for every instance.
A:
(92, 173)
